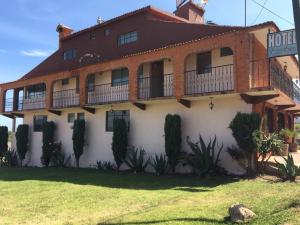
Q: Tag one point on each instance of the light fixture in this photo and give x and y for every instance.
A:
(111, 109)
(211, 104)
(285, 66)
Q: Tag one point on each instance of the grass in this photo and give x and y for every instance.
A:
(71, 196)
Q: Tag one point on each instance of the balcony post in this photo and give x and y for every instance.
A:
(16, 99)
(82, 89)
(133, 82)
(49, 93)
(242, 62)
(179, 75)
(2, 100)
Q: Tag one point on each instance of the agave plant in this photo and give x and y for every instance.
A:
(159, 164)
(204, 158)
(288, 170)
(104, 165)
(136, 160)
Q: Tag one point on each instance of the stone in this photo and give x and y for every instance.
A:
(239, 213)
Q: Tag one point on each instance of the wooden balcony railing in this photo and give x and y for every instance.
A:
(108, 93)
(214, 79)
(65, 98)
(156, 86)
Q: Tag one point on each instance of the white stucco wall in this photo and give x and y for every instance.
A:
(146, 128)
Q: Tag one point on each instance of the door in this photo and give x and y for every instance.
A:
(157, 79)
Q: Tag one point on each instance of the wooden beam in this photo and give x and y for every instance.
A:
(282, 107)
(8, 116)
(19, 115)
(294, 111)
(140, 106)
(185, 103)
(90, 110)
(56, 112)
(250, 99)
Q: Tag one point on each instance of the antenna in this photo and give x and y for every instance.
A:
(245, 13)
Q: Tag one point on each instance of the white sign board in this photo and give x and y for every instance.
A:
(179, 3)
(282, 43)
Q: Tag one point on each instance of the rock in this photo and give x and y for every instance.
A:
(239, 213)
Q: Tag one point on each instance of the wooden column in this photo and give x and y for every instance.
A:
(179, 75)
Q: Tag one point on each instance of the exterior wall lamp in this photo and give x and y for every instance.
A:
(211, 104)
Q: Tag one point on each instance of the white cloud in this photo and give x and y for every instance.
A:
(36, 53)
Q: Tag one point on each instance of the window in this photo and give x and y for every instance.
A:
(64, 82)
(91, 83)
(107, 32)
(128, 38)
(119, 77)
(112, 115)
(226, 51)
(71, 117)
(38, 122)
(36, 91)
(70, 54)
(80, 116)
(204, 63)
(92, 36)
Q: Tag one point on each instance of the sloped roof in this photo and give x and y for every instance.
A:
(156, 29)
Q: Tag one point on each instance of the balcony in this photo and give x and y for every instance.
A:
(272, 75)
(65, 98)
(214, 79)
(108, 93)
(155, 87)
(36, 101)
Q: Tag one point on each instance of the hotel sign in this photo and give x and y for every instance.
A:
(282, 43)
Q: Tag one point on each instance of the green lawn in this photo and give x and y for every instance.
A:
(70, 196)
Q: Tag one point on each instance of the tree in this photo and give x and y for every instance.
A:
(119, 141)
(3, 141)
(78, 139)
(22, 141)
(173, 139)
(242, 126)
(48, 142)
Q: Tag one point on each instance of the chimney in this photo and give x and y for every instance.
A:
(63, 32)
(192, 12)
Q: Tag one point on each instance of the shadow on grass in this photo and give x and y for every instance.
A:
(114, 179)
(199, 220)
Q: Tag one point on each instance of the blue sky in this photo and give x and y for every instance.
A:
(27, 27)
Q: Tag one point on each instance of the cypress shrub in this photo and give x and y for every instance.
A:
(3, 141)
(242, 126)
(119, 141)
(48, 142)
(173, 139)
(22, 141)
(78, 139)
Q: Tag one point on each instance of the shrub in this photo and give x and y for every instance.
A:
(22, 141)
(78, 139)
(136, 161)
(267, 144)
(10, 158)
(288, 170)
(119, 141)
(58, 157)
(204, 158)
(242, 126)
(159, 164)
(3, 141)
(173, 139)
(48, 142)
